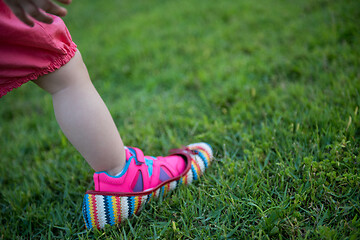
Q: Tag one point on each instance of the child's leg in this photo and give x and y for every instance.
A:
(83, 116)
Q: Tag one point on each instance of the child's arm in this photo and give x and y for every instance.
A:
(36, 9)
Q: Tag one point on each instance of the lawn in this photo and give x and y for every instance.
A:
(273, 86)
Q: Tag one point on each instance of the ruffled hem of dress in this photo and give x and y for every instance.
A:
(56, 64)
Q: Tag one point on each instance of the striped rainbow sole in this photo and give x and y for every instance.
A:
(100, 209)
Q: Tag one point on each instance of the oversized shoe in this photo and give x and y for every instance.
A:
(101, 208)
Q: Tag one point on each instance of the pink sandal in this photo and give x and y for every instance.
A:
(117, 198)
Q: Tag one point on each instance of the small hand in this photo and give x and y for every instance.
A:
(25, 8)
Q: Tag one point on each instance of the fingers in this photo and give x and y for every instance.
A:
(35, 12)
(20, 13)
(52, 8)
(37, 9)
(64, 1)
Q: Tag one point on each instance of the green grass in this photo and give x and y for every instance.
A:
(273, 86)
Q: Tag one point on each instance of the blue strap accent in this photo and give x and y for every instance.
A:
(132, 151)
(149, 163)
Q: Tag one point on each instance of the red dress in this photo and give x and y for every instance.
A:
(27, 53)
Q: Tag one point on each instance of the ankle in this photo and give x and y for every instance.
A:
(116, 170)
